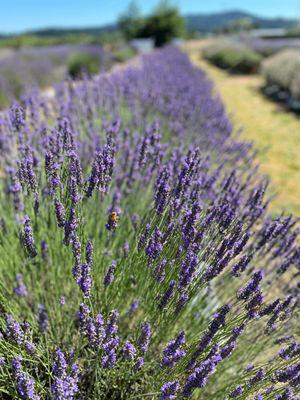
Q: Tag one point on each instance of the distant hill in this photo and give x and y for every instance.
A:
(206, 23)
(57, 32)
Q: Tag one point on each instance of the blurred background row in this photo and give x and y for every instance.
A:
(238, 41)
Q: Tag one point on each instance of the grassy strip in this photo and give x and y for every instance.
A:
(276, 133)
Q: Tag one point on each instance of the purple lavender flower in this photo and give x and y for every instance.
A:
(109, 276)
(94, 177)
(60, 213)
(143, 151)
(154, 247)
(287, 394)
(76, 250)
(111, 342)
(26, 167)
(125, 249)
(295, 381)
(62, 300)
(199, 377)
(253, 304)
(183, 299)
(217, 322)
(143, 237)
(249, 367)
(284, 339)
(259, 376)
(75, 169)
(13, 330)
(93, 329)
(21, 289)
(188, 268)
(159, 271)
(236, 392)
(268, 309)
(129, 351)
(144, 339)
(111, 327)
(269, 390)
(52, 172)
(133, 307)
(42, 318)
(27, 237)
(44, 250)
(227, 349)
(73, 190)
(166, 297)
(139, 363)
(251, 287)
(17, 116)
(84, 279)
(29, 347)
(109, 360)
(89, 252)
(169, 390)
(25, 384)
(2, 362)
(241, 265)
(162, 190)
(70, 225)
(173, 352)
(287, 374)
(66, 378)
(26, 327)
(15, 189)
(188, 229)
(237, 331)
(289, 352)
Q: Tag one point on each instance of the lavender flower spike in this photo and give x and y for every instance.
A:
(25, 384)
(21, 289)
(168, 390)
(129, 351)
(27, 237)
(144, 339)
(42, 318)
(66, 377)
(172, 353)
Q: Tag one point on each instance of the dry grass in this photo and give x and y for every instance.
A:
(275, 132)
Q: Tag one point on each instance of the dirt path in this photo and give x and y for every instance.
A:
(276, 133)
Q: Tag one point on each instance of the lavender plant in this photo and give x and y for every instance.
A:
(42, 66)
(138, 257)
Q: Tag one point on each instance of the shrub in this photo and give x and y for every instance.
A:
(233, 57)
(124, 54)
(83, 63)
(137, 256)
(268, 47)
(282, 77)
(162, 25)
(43, 66)
(283, 69)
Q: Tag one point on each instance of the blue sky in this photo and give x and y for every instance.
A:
(20, 15)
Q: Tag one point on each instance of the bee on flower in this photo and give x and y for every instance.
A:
(112, 221)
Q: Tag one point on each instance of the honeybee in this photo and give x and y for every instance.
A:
(114, 217)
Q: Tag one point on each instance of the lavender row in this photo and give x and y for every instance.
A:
(137, 252)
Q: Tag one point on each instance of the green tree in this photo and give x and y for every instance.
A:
(164, 24)
(130, 22)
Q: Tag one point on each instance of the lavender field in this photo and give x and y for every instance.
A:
(138, 256)
(41, 67)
